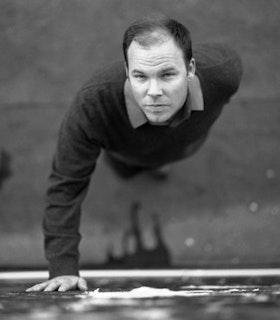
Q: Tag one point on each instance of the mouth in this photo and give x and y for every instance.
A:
(155, 107)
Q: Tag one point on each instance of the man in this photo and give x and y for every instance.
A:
(154, 110)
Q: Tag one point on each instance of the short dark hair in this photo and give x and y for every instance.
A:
(153, 30)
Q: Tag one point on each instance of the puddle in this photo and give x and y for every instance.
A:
(149, 299)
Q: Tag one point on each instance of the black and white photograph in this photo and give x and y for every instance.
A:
(139, 159)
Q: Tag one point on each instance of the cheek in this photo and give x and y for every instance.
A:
(138, 91)
(179, 92)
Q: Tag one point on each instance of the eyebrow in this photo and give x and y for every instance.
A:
(137, 71)
(168, 69)
(165, 69)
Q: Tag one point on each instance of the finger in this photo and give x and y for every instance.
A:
(65, 286)
(82, 284)
(52, 286)
(38, 287)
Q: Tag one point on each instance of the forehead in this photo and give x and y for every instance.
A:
(162, 54)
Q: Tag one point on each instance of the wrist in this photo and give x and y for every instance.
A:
(63, 266)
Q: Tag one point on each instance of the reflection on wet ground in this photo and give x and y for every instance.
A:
(213, 299)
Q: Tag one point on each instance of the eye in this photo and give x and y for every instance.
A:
(139, 76)
(168, 75)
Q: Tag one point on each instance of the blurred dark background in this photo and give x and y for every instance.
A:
(219, 208)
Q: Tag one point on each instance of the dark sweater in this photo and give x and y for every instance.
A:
(98, 120)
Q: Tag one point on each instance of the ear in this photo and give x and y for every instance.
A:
(126, 69)
(191, 69)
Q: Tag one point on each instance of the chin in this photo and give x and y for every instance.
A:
(158, 121)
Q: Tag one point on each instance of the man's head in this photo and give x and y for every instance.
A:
(153, 30)
(158, 57)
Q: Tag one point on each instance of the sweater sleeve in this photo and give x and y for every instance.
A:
(73, 163)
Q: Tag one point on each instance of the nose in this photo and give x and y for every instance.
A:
(154, 89)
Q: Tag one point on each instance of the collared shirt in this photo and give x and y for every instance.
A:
(194, 102)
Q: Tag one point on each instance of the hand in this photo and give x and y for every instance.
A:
(61, 283)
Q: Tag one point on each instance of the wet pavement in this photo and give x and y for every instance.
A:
(209, 299)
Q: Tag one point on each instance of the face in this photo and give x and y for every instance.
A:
(158, 79)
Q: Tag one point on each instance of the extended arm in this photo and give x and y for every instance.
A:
(73, 163)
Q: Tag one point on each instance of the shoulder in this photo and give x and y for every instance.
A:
(209, 55)
(219, 68)
(105, 84)
(111, 73)
(101, 96)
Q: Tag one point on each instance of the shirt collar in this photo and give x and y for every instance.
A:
(194, 102)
